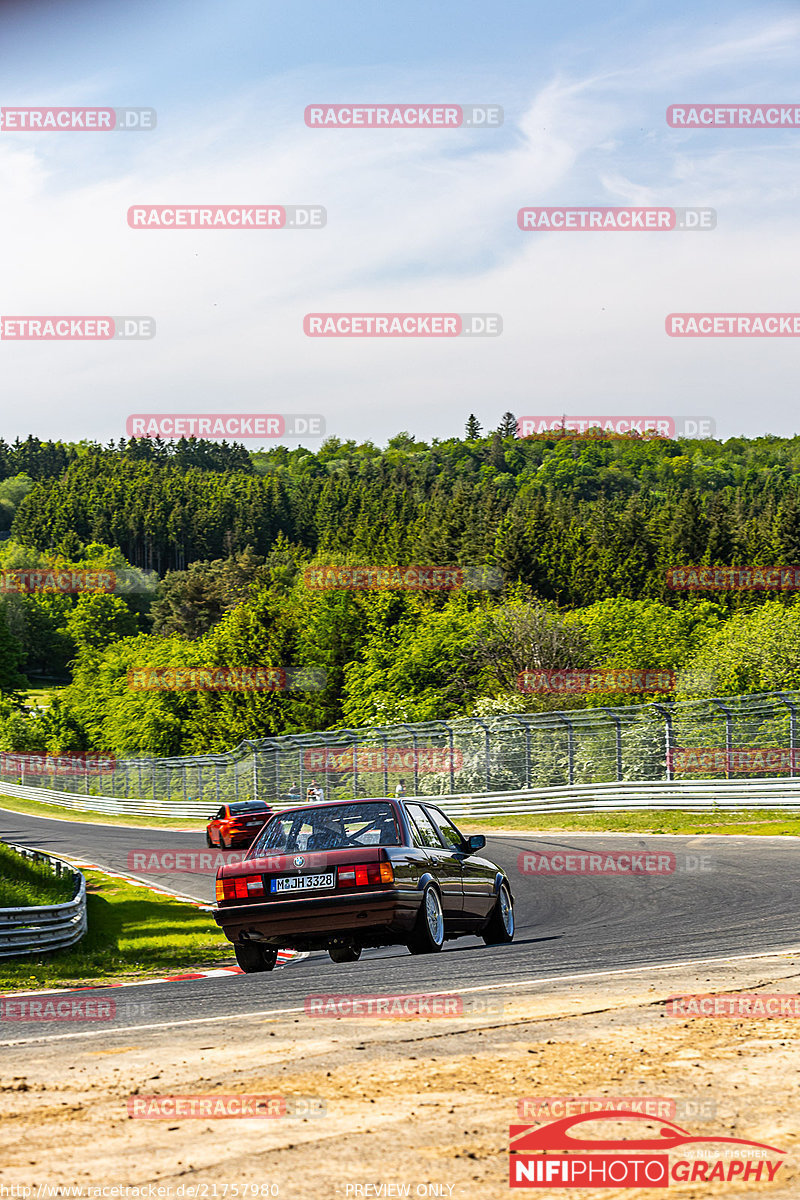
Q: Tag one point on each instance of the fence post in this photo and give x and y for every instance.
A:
(521, 721)
(667, 715)
(728, 734)
(570, 746)
(451, 739)
(485, 729)
(355, 768)
(410, 729)
(792, 730)
(385, 763)
(615, 718)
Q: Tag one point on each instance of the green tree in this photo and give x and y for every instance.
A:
(98, 619)
(12, 682)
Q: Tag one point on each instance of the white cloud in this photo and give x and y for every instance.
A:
(417, 221)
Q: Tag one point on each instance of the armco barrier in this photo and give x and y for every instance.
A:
(109, 805)
(505, 753)
(37, 928)
(708, 795)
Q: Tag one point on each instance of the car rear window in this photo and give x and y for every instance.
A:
(247, 806)
(336, 827)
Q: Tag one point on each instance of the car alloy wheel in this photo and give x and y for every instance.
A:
(429, 931)
(500, 927)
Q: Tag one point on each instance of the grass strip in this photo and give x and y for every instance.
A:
(24, 882)
(757, 822)
(745, 821)
(133, 934)
(34, 809)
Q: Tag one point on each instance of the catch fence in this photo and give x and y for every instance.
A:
(735, 737)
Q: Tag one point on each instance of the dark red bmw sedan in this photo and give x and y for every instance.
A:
(345, 875)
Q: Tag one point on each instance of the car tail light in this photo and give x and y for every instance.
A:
(364, 874)
(240, 887)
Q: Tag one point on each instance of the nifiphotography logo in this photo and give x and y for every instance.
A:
(553, 1156)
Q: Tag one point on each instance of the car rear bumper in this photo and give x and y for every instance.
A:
(368, 914)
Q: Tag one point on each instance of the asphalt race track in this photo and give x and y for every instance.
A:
(727, 896)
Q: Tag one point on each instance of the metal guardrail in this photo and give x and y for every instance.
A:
(36, 928)
(111, 806)
(707, 795)
(507, 752)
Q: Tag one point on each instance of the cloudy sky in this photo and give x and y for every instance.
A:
(418, 221)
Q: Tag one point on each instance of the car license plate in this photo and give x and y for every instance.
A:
(301, 883)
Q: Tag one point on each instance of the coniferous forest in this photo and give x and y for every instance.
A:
(215, 544)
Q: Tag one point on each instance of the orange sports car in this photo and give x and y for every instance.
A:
(237, 824)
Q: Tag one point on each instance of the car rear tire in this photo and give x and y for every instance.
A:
(208, 839)
(225, 845)
(428, 936)
(343, 954)
(500, 928)
(251, 957)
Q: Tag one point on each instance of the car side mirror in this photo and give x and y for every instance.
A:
(476, 842)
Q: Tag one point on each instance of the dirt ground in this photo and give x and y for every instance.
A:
(417, 1103)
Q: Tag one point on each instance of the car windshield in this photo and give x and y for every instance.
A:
(247, 806)
(331, 828)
